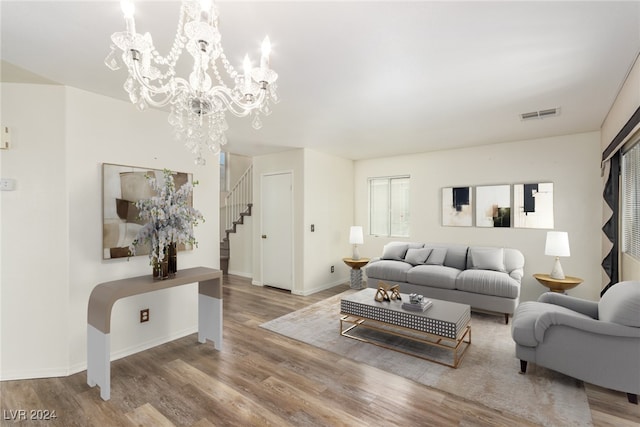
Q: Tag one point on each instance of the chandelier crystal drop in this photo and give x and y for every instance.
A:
(198, 103)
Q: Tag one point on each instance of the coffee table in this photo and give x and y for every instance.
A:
(444, 325)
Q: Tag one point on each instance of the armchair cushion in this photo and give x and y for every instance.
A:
(621, 304)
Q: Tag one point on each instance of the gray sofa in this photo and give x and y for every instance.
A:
(597, 342)
(486, 278)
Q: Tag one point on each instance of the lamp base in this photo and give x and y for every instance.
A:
(557, 272)
(356, 254)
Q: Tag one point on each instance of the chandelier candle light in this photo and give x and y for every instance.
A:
(197, 106)
(557, 245)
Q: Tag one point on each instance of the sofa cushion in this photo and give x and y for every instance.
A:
(388, 270)
(488, 282)
(484, 258)
(621, 304)
(394, 251)
(437, 256)
(435, 276)
(456, 255)
(417, 256)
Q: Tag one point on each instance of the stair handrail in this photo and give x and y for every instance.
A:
(239, 198)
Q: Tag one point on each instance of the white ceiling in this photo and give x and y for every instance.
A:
(367, 79)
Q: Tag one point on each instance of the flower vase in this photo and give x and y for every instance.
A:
(160, 269)
(172, 253)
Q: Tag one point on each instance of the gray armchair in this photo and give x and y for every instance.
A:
(596, 342)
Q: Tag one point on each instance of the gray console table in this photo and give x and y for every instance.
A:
(106, 294)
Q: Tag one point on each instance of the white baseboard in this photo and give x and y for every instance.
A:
(256, 283)
(82, 366)
(241, 274)
(35, 373)
(321, 287)
(152, 343)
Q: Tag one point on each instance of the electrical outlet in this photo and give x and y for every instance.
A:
(333, 269)
(144, 315)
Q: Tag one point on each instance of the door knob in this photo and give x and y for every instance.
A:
(264, 236)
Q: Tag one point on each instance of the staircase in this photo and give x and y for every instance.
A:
(237, 206)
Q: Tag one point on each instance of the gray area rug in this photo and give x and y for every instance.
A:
(488, 373)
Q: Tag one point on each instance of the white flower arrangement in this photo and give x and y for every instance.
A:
(169, 218)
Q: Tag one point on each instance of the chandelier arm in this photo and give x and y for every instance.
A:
(231, 103)
(168, 88)
(166, 100)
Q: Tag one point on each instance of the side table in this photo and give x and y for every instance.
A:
(356, 273)
(558, 285)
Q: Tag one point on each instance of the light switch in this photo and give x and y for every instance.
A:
(6, 138)
(7, 184)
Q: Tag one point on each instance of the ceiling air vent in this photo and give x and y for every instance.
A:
(551, 112)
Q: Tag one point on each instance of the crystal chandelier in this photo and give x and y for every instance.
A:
(197, 105)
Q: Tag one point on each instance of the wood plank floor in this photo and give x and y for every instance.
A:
(262, 378)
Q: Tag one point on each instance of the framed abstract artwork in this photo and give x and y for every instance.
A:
(457, 206)
(122, 187)
(493, 206)
(533, 205)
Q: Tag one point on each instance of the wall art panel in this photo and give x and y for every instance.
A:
(122, 187)
(457, 206)
(533, 205)
(493, 206)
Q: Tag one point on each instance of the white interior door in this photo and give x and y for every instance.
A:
(277, 230)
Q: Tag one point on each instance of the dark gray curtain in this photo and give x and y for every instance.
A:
(611, 195)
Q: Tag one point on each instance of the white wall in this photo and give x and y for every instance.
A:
(571, 162)
(328, 205)
(626, 103)
(71, 138)
(34, 275)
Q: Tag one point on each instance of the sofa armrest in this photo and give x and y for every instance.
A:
(517, 274)
(586, 307)
(551, 318)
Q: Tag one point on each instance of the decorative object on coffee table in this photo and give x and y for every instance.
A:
(417, 303)
(356, 272)
(387, 292)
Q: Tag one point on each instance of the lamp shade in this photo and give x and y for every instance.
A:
(355, 235)
(557, 243)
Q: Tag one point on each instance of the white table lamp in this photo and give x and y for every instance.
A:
(356, 238)
(557, 245)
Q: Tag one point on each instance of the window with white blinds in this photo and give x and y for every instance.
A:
(630, 190)
(389, 206)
